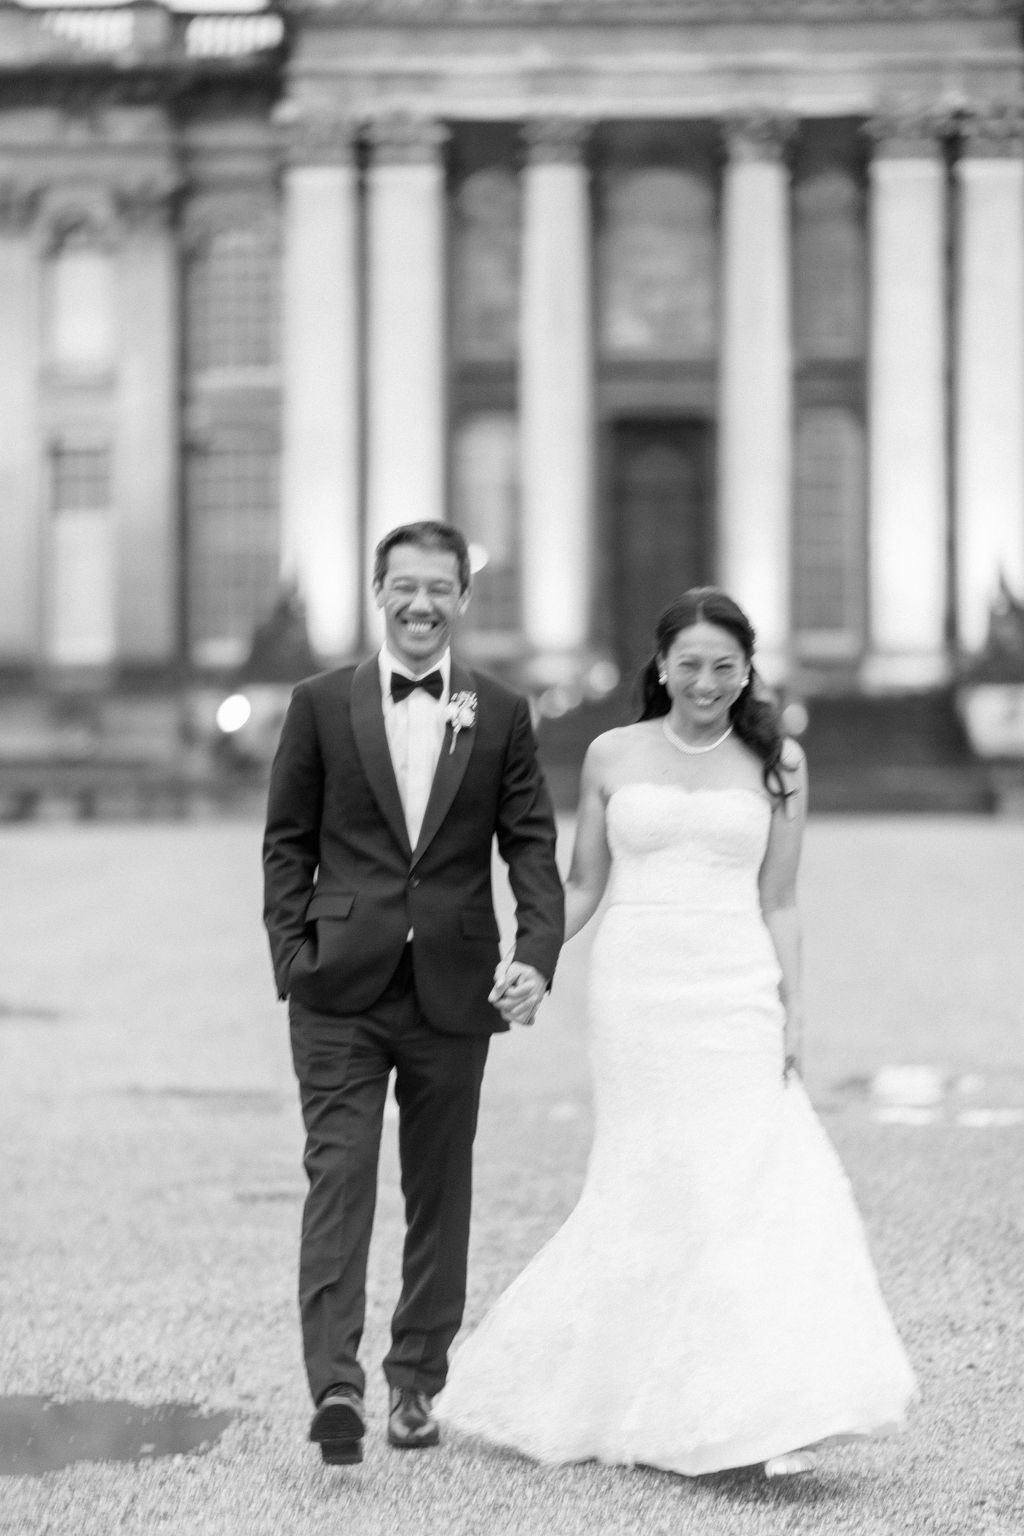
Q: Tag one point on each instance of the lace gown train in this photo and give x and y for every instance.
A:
(710, 1302)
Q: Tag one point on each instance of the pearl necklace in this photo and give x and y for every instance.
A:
(681, 746)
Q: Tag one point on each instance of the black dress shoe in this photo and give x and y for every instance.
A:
(411, 1425)
(338, 1427)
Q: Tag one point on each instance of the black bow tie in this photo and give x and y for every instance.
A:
(401, 687)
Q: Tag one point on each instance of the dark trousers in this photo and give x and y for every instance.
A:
(342, 1062)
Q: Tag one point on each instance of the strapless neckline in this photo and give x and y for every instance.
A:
(701, 789)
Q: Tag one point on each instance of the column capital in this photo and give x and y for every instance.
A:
(556, 140)
(88, 212)
(209, 215)
(992, 130)
(147, 205)
(908, 132)
(319, 137)
(406, 140)
(19, 202)
(764, 136)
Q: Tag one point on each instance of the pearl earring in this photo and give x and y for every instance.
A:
(662, 678)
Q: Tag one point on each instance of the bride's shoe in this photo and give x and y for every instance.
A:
(793, 1464)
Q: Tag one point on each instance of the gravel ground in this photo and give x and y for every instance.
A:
(150, 1142)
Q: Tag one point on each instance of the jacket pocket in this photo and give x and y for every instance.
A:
(478, 925)
(330, 904)
(296, 955)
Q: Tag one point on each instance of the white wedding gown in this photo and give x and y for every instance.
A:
(710, 1302)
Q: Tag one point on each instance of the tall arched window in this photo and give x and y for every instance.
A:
(485, 278)
(829, 537)
(231, 480)
(485, 476)
(80, 304)
(80, 599)
(485, 286)
(233, 302)
(79, 350)
(830, 262)
(830, 295)
(657, 263)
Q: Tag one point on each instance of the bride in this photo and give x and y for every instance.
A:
(710, 1302)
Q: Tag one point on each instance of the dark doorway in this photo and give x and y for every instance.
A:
(661, 493)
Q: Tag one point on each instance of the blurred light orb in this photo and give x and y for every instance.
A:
(602, 677)
(478, 558)
(233, 713)
(794, 719)
(556, 702)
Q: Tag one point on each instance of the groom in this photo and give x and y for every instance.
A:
(390, 783)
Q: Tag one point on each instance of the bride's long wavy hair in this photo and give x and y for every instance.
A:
(754, 717)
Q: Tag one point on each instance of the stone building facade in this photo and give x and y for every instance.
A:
(640, 293)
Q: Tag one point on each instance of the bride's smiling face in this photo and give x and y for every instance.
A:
(705, 672)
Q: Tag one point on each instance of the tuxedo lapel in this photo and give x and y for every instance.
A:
(451, 766)
(372, 745)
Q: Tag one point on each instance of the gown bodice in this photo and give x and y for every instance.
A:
(698, 849)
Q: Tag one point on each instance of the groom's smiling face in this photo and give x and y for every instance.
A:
(421, 599)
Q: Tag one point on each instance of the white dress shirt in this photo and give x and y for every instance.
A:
(415, 731)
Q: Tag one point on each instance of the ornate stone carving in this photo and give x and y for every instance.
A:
(19, 202)
(908, 130)
(758, 135)
(316, 137)
(993, 130)
(147, 204)
(556, 140)
(210, 215)
(667, 10)
(406, 140)
(78, 214)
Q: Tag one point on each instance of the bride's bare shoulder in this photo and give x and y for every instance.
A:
(621, 738)
(612, 748)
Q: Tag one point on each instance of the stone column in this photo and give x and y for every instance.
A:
(147, 428)
(406, 351)
(989, 369)
(321, 554)
(556, 388)
(20, 445)
(755, 426)
(907, 474)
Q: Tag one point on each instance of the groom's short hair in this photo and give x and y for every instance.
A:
(426, 535)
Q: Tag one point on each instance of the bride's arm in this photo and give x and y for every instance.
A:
(778, 894)
(591, 860)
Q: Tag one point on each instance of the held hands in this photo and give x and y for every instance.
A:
(517, 991)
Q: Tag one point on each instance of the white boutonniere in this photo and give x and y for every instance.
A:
(460, 715)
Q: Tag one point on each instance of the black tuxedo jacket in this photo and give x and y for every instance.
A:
(342, 885)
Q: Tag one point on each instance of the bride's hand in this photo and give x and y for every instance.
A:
(517, 994)
(792, 1043)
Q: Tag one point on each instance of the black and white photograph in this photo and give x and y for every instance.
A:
(512, 767)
